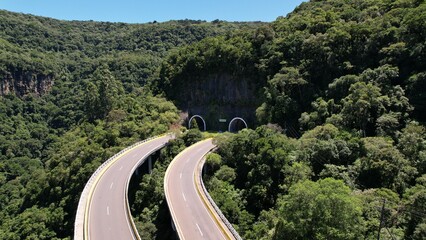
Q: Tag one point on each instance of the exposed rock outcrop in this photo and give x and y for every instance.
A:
(24, 83)
(219, 98)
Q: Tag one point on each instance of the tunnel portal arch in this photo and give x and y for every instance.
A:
(235, 121)
(199, 117)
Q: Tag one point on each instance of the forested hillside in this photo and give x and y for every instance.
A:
(34, 47)
(346, 80)
(307, 62)
(72, 95)
(337, 87)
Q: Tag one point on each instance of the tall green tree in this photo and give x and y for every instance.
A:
(285, 95)
(414, 201)
(109, 89)
(319, 210)
(102, 93)
(384, 166)
(362, 107)
(412, 143)
(91, 101)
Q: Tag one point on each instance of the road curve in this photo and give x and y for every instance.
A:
(192, 215)
(107, 215)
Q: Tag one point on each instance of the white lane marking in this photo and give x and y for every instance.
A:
(110, 186)
(184, 198)
(108, 210)
(199, 229)
(180, 176)
(120, 168)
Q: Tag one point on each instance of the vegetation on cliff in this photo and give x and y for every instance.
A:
(346, 78)
(328, 184)
(356, 64)
(94, 103)
(341, 85)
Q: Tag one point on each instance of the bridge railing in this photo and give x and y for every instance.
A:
(214, 205)
(80, 225)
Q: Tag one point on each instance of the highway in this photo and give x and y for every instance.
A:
(192, 216)
(107, 216)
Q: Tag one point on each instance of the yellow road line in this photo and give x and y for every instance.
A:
(207, 203)
(96, 180)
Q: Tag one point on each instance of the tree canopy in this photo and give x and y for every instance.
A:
(339, 92)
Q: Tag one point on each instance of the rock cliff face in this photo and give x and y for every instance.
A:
(219, 98)
(218, 88)
(23, 83)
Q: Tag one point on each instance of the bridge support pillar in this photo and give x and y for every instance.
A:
(149, 164)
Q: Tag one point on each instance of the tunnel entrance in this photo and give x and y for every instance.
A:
(198, 121)
(237, 124)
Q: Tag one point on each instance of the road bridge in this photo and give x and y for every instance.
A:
(103, 212)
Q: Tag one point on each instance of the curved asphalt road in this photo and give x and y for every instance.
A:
(192, 218)
(108, 216)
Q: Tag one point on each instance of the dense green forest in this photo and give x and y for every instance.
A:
(328, 184)
(54, 136)
(341, 118)
(346, 80)
(308, 62)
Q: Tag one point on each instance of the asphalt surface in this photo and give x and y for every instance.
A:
(108, 216)
(192, 218)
